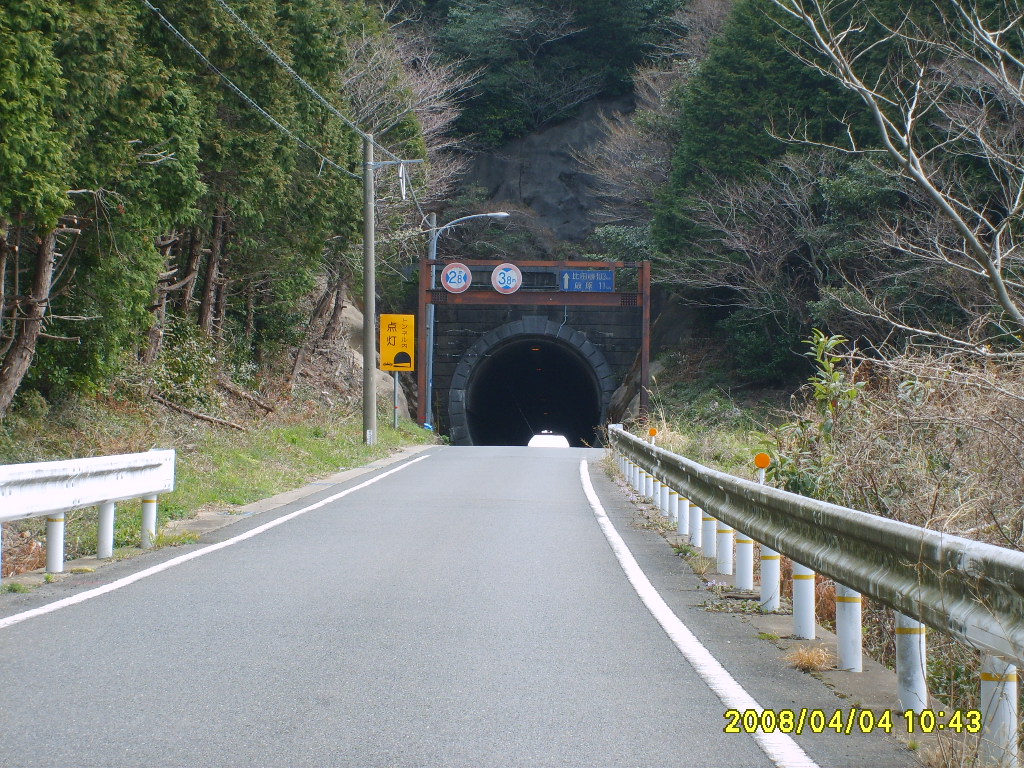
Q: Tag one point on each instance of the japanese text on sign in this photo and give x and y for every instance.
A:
(587, 280)
(397, 342)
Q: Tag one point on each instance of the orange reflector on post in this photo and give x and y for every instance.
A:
(762, 461)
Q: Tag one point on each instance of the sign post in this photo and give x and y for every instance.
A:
(397, 348)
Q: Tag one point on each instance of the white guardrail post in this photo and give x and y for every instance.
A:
(681, 509)
(55, 542)
(912, 685)
(849, 629)
(771, 561)
(148, 523)
(105, 534)
(804, 624)
(771, 579)
(708, 534)
(744, 562)
(723, 548)
(999, 713)
(696, 524)
(53, 488)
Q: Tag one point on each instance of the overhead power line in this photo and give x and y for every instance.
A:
(301, 81)
(269, 50)
(245, 97)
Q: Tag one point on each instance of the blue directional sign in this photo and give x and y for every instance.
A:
(587, 280)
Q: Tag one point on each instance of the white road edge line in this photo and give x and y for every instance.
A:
(127, 580)
(779, 747)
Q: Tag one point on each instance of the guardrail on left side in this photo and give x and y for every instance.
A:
(52, 488)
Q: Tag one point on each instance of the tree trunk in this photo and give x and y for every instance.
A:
(5, 249)
(26, 333)
(323, 306)
(250, 314)
(195, 252)
(208, 304)
(333, 329)
(220, 307)
(155, 334)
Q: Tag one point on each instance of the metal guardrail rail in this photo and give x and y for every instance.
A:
(54, 487)
(968, 589)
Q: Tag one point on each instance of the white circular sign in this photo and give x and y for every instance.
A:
(456, 277)
(506, 278)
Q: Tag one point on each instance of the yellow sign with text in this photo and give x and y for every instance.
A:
(398, 342)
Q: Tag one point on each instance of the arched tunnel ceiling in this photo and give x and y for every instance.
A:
(526, 377)
(528, 386)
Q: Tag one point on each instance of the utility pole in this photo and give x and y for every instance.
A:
(369, 298)
(428, 408)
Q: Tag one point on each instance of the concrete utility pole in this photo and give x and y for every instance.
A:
(369, 298)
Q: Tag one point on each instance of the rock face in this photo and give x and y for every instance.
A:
(336, 368)
(539, 173)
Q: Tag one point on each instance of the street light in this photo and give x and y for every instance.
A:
(435, 234)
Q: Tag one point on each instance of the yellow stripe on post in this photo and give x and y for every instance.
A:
(989, 677)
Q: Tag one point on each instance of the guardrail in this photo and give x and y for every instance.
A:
(968, 589)
(53, 488)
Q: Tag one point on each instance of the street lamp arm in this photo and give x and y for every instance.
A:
(436, 231)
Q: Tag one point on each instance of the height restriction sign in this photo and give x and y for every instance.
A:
(397, 342)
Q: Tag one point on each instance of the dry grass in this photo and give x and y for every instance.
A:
(701, 565)
(934, 442)
(301, 441)
(810, 658)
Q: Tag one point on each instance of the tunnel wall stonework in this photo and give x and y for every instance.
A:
(613, 333)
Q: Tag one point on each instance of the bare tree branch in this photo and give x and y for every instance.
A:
(971, 78)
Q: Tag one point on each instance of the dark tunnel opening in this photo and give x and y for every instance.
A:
(529, 385)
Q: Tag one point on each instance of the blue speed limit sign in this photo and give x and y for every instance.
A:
(456, 277)
(506, 278)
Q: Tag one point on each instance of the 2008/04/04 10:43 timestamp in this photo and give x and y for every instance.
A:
(854, 720)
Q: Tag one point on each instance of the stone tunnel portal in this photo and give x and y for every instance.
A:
(513, 385)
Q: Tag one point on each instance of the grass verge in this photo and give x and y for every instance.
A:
(216, 468)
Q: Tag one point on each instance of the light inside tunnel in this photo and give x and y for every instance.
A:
(529, 385)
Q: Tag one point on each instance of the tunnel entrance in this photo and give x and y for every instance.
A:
(529, 386)
(526, 378)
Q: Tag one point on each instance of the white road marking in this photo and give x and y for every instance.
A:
(782, 750)
(115, 585)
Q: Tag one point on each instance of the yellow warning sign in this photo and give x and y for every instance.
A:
(397, 342)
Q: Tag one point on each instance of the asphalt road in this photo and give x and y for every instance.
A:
(465, 610)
